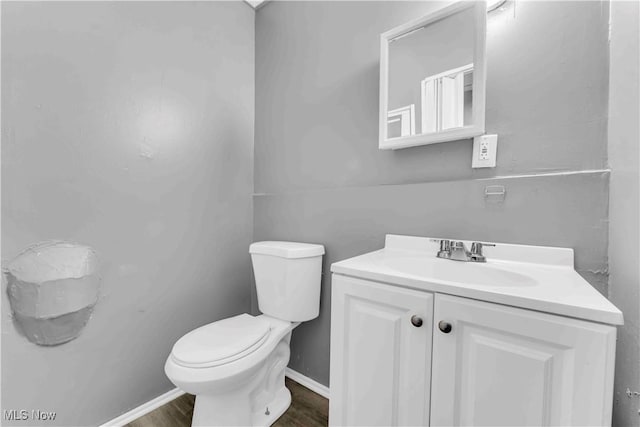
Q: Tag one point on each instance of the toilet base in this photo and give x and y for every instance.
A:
(274, 410)
(233, 410)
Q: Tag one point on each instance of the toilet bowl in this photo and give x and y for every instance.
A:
(235, 366)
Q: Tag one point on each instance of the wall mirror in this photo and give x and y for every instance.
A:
(432, 78)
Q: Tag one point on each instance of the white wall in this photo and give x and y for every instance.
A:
(624, 214)
(127, 126)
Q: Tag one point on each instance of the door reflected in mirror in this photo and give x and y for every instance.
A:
(433, 71)
(446, 100)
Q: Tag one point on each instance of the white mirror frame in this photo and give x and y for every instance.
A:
(479, 80)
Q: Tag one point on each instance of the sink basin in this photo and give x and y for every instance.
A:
(482, 274)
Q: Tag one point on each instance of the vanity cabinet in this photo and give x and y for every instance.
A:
(380, 354)
(468, 363)
(501, 365)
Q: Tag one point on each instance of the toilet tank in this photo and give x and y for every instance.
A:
(288, 278)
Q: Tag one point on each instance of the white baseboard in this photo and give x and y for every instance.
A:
(312, 385)
(144, 409)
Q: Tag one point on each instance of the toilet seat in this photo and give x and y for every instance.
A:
(221, 342)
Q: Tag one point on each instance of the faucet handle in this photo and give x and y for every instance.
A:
(445, 247)
(445, 244)
(476, 247)
(476, 251)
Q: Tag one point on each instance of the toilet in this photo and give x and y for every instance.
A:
(235, 366)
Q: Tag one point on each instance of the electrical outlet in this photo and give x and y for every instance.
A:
(485, 149)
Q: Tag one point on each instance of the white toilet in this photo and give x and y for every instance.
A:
(235, 366)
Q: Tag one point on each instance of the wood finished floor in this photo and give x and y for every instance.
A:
(308, 409)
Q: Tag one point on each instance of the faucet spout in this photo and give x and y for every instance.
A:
(459, 252)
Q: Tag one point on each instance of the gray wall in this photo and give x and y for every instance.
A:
(127, 126)
(624, 245)
(319, 176)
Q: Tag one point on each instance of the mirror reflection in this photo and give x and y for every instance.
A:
(431, 77)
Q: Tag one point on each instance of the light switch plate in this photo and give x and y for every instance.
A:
(485, 150)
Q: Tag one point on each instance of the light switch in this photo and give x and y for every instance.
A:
(485, 149)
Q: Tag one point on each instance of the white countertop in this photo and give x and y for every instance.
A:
(532, 277)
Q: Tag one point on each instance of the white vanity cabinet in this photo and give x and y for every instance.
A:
(380, 354)
(485, 364)
(502, 365)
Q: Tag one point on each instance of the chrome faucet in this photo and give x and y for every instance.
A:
(457, 251)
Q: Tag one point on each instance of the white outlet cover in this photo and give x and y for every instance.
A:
(485, 150)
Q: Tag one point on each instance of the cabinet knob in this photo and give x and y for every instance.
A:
(416, 321)
(444, 326)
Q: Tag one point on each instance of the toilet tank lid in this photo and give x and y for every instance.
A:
(287, 249)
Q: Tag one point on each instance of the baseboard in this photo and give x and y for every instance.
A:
(303, 380)
(144, 409)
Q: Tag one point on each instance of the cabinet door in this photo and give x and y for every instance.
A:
(380, 360)
(501, 365)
